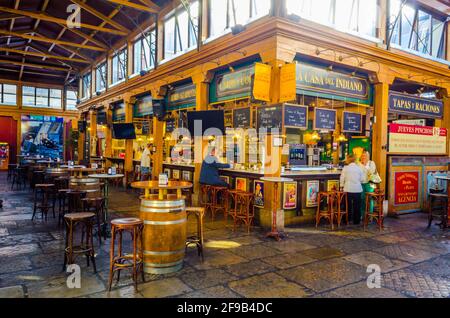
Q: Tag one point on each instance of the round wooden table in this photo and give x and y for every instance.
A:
(162, 189)
(165, 226)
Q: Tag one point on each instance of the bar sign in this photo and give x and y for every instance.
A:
(351, 122)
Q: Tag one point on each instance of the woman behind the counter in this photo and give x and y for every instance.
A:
(369, 169)
(209, 173)
(352, 177)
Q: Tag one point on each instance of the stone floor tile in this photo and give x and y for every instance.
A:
(215, 259)
(268, 285)
(16, 250)
(406, 253)
(360, 290)
(255, 267)
(14, 264)
(356, 246)
(212, 292)
(367, 258)
(415, 284)
(289, 245)
(12, 292)
(206, 278)
(251, 252)
(325, 275)
(164, 288)
(322, 253)
(288, 260)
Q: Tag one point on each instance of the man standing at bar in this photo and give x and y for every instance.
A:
(209, 173)
(145, 163)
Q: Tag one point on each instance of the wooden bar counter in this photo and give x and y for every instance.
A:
(165, 225)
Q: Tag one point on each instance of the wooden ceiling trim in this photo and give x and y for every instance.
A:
(48, 18)
(100, 15)
(31, 72)
(150, 4)
(37, 54)
(134, 6)
(42, 66)
(49, 40)
(11, 23)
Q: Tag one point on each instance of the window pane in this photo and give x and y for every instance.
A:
(183, 20)
(55, 102)
(42, 92)
(9, 99)
(137, 56)
(169, 38)
(346, 17)
(367, 17)
(424, 31)
(407, 38)
(56, 93)
(218, 16)
(394, 20)
(28, 100)
(9, 89)
(115, 64)
(27, 90)
(437, 38)
(41, 101)
(193, 24)
(241, 12)
(260, 8)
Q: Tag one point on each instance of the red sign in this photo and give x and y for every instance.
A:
(417, 130)
(406, 187)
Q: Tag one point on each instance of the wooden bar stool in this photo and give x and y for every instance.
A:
(329, 198)
(11, 168)
(341, 207)
(121, 261)
(378, 212)
(74, 200)
(197, 239)
(97, 206)
(205, 197)
(216, 204)
(438, 211)
(43, 200)
(243, 209)
(84, 219)
(19, 178)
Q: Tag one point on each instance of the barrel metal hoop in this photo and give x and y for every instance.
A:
(150, 210)
(147, 264)
(161, 204)
(164, 253)
(165, 222)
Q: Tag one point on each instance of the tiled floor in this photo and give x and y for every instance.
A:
(414, 261)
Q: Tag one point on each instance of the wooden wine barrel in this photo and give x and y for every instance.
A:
(164, 234)
(90, 185)
(56, 172)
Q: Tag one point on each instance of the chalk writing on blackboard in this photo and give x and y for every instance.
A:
(325, 119)
(295, 116)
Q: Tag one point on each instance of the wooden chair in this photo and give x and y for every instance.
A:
(378, 211)
(327, 201)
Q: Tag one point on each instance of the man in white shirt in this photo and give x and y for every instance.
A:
(145, 163)
(351, 180)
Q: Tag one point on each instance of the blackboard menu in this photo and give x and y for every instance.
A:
(324, 119)
(269, 118)
(351, 122)
(241, 118)
(146, 127)
(170, 126)
(295, 116)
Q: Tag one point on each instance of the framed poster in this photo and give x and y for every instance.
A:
(312, 192)
(259, 193)
(332, 185)
(406, 187)
(225, 179)
(241, 184)
(167, 172)
(290, 195)
(186, 175)
(176, 174)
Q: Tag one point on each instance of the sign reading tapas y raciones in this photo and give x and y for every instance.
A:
(409, 139)
(411, 105)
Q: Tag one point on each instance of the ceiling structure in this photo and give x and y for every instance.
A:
(38, 45)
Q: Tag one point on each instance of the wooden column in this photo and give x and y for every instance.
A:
(128, 101)
(158, 135)
(93, 132)
(445, 123)
(201, 81)
(108, 132)
(380, 129)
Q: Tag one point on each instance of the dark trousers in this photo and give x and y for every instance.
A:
(354, 206)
